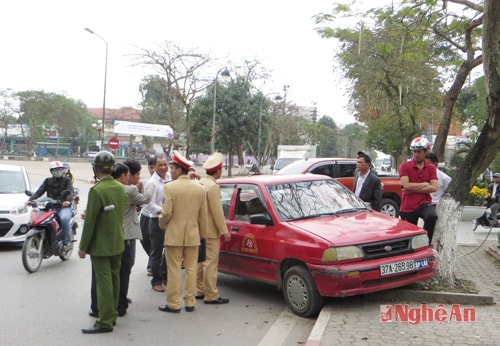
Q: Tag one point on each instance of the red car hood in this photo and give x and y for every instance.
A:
(357, 228)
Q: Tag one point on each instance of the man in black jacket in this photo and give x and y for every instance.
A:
(60, 188)
(367, 184)
(492, 201)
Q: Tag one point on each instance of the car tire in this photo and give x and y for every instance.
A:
(389, 207)
(301, 294)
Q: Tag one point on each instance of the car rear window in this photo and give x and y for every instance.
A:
(284, 161)
(297, 167)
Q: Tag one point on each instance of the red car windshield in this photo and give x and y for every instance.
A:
(307, 199)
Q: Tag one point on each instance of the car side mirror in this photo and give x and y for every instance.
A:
(261, 219)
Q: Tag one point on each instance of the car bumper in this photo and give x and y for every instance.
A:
(364, 277)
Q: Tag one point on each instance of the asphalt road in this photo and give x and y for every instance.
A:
(51, 306)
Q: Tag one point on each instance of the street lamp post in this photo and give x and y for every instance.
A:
(101, 133)
(225, 73)
(278, 97)
(98, 126)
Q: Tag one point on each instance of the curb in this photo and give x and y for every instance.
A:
(431, 297)
(321, 323)
(494, 251)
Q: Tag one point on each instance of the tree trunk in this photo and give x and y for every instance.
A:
(449, 101)
(445, 241)
(481, 155)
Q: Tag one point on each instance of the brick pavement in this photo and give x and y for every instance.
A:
(356, 321)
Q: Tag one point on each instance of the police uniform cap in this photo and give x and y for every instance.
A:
(181, 161)
(213, 163)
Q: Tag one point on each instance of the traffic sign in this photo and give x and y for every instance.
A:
(113, 143)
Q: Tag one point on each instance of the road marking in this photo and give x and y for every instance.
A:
(319, 327)
(280, 329)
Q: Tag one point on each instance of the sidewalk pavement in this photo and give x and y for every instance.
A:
(357, 320)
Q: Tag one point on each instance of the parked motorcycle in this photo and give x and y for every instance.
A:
(486, 220)
(254, 170)
(45, 237)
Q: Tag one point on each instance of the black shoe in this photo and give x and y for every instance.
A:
(201, 296)
(96, 330)
(93, 314)
(218, 301)
(189, 308)
(122, 313)
(165, 308)
(129, 300)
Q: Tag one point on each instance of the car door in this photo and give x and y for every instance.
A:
(250, 251)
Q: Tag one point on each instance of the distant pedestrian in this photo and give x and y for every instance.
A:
(367, 184)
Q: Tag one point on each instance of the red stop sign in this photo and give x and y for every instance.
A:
(113, 143)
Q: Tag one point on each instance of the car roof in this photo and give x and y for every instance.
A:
(272, 179)
(13, 168)
(303, 165)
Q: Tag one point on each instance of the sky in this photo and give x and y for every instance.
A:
(45, 46)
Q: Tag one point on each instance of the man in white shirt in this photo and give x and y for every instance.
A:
(150, 213)
(443, 178)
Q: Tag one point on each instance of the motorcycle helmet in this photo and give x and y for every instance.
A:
(420, 143)
(66, 167)
(56, 169)
(56, 164)
(104, 162)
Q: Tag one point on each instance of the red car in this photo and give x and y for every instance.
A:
(313, 238)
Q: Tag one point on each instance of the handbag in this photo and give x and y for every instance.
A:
(202, 251)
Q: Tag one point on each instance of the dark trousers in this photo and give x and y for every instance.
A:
(426, 212)
(156, 255)
(127, 262)
(146, 241)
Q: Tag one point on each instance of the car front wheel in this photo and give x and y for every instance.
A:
(389, 207)
(301, 294)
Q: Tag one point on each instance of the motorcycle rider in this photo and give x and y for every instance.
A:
(60, 188)
(67, 172)
(254, 170)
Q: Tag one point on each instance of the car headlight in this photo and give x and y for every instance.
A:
(421, 240)
(20, 209)
(341, 253)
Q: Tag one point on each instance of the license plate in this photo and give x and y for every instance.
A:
(403, 266)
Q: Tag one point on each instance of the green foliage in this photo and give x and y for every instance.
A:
(327, 138)
(456, 160)
(393, 66)
(472, 105)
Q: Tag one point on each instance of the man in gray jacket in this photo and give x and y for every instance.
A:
(131, 227)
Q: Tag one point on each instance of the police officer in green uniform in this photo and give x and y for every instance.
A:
(103, 239)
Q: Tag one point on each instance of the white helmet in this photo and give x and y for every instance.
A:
(420, 143)
(56, 164)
